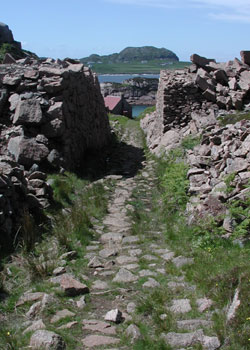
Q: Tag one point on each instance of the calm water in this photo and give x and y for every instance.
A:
(118, 78)
(136, 110)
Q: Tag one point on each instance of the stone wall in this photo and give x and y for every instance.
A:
(52, 115)
(188, 104)
(195, 97)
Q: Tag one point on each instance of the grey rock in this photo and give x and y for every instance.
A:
(114, 316)
(27, 151)
(180, 306)
(28, 112)
(35, 326)
(99, 326)
(108, 252)
(151, 283)
(123, 259)
(92, 341)
(204, 304)
(133, 333)
(72, 287)
(192, 325)
(125, 276)
(231, 313)
(183, 339)
(102, 285)
(131, 308)
(46, 340)
(61, 315)
(180, 261)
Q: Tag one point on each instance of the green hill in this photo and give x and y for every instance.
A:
(133, 54)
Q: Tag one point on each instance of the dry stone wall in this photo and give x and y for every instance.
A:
(52, 115)
(188, 104)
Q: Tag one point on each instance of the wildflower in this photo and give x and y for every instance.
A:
(8, 334)
(248, 318)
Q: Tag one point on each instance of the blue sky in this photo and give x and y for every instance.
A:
(77, 28)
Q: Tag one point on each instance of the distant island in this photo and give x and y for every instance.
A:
(146, 59)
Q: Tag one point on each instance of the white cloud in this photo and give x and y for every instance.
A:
(226, 10)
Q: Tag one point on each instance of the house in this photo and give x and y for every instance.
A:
(118, 105)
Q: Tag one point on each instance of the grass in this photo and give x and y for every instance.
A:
(78, 204)
(154, 66)
(233, 118)
(145, 112)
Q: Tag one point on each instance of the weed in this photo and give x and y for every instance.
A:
(189, 142)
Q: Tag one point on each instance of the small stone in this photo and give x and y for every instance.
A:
(114, 316)
(92, 341)
(72, 287)
(180, 261)
(59, 271)
(68, 325)
(125, 276)
(28, 297)
(133, 333)
(210, 343)
(130, 239)
(233, 307)
(107, 252)
(151, 283)
(123, 259)
(34, 310)
(168, 256)
(36, 325)
(131, 308)
(61, 314)
(192, 325)
(131, 266)
(149, 257)
(135, 252)
(99, 326)
(100, 285)
(46, 340)
(69, 255)
(204, 304)
(163, 317)
(146, 273)
(95, 263)
(183, 339)
(111, 237)
(180, 306)
(81, 302)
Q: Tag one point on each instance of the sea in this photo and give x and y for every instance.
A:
(119, 78)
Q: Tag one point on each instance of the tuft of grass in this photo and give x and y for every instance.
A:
(233, 118)
(189, 142)
(145, 112)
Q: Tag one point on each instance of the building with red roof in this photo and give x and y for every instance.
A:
(118, 105)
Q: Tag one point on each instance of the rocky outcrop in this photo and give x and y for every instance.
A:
(52, 115)
(137, 91)
(6, 36)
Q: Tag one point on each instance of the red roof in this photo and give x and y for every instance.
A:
(111, 101)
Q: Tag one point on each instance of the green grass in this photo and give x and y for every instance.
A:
(146, 111)
(153, 66)
(233, 118)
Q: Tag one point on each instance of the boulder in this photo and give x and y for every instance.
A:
(245, 57)
(28, 112)
(46, 340)
(27, 151)
(200, 61)
(8, 59)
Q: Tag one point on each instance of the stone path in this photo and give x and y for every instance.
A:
(117, 280)
(125, 270)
